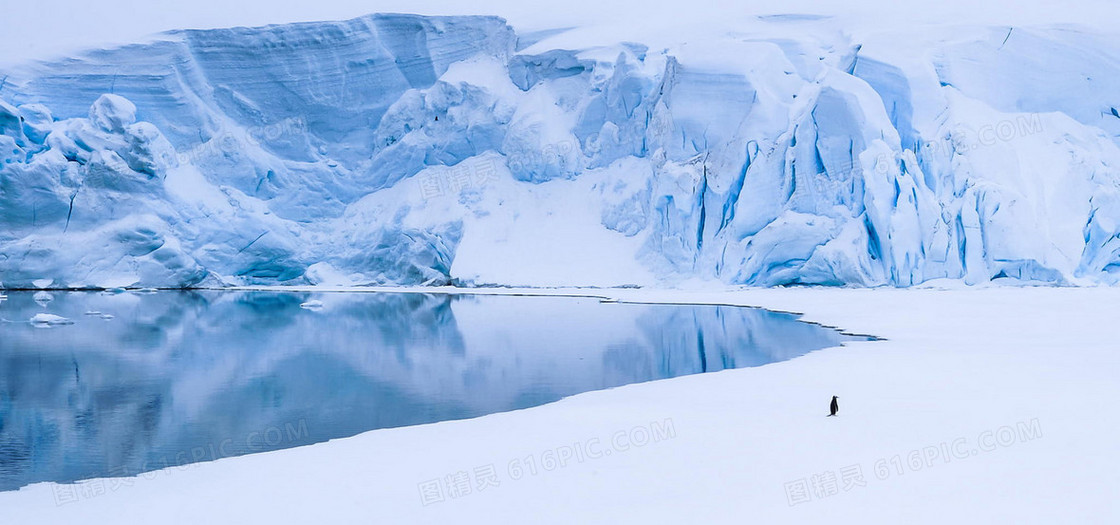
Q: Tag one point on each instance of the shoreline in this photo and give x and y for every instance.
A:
(954, 363)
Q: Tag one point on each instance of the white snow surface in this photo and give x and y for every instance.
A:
(958, 367)
(737, 146)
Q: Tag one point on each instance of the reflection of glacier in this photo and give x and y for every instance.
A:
(177, 373)
(407, 149)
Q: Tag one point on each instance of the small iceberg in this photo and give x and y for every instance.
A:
(314, 304)
(107, 317)
(93, 312)
(49, 320)
(43, 298)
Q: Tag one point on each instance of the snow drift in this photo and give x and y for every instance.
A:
(429, 150)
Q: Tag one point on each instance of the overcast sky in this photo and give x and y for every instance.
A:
(36, 29)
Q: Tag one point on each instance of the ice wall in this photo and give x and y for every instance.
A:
(425, 150)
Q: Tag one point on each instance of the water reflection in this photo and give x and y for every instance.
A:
(144, 381)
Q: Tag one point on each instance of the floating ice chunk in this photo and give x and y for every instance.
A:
(93, 313)
(49, 320)
(107, 317)
(313, 304)
(42, 283)
(43, 298)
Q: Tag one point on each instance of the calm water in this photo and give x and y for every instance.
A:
(141, 381)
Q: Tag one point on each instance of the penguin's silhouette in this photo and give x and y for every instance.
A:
(833, 407)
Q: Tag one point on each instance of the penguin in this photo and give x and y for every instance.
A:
(833, 407)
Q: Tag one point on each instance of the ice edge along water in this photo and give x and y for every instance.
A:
(399, 149)
(955, 365)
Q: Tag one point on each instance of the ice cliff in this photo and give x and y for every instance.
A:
(425, 150)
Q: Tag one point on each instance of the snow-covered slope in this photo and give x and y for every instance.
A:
(411, 150)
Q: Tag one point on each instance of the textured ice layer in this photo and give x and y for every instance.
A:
(416, 150)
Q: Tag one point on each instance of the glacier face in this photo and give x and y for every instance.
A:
(399, 149)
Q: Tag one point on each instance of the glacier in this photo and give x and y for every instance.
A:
(415, 150)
